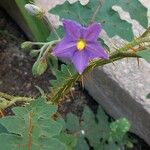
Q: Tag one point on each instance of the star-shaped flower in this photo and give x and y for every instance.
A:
(80, 44)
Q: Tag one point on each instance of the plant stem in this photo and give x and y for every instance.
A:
(134, 43)
(95, 12)
(146, 32)
(10, 100)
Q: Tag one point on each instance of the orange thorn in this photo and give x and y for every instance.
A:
(1, 114)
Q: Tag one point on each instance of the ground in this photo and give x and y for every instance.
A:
(16, 77)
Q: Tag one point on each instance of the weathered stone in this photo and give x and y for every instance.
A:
(121, 89)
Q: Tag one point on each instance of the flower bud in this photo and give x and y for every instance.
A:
(34, 10)
(39, 67)
(26, 45)
(34, 53)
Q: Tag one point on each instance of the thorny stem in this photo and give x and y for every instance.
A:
(9, 100)
(46, 48)
(118, 54)
(134, 43)
(114, 57)
(147, 32)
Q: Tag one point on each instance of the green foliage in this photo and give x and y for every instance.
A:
(134, 7)
(52, 36)
(109, 18)
(37, 27)
(100, 133)
(35, 127)
(145, 54)
(64, 80)
(148, 96)
(32, 127)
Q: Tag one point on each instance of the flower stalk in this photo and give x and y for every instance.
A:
(7, 100)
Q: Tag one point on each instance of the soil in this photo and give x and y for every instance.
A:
(16, 77)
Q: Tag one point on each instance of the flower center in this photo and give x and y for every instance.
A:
(81, 44)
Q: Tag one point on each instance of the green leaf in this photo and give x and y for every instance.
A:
(64, 80)
(3, 129)
(145, 54)
(134, 7)
(100, 133)
(109, 18)
(38, 27)
(119, 128)
(94, 130)
(148, 96)
(32, 127)
(82, 144)
(14, 142)
(72, 122)
(78, 14)
(68, 139)
(52, 36)
(112, 23)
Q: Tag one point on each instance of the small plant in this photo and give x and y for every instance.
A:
(37, 125)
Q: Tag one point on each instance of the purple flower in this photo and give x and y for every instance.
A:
(80, 44)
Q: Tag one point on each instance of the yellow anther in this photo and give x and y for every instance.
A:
(81, 44)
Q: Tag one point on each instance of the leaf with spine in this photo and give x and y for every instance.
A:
(97, 130)
(145, 54)
(32, 127)
(65, 77)
(109, 18)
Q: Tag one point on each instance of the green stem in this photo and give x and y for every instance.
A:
(114, 57)
(147, 32)
(134, 43)
(9, 100)
(46, 48)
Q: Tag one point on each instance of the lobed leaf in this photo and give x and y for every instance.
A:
(32, 127)
(145, 54)
(64, 80)
(109, 18)
(98, 130)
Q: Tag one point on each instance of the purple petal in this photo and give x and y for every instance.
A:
(72, 29)
(92, 32)
(94, 50)
(80, 60)
(65, 48)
